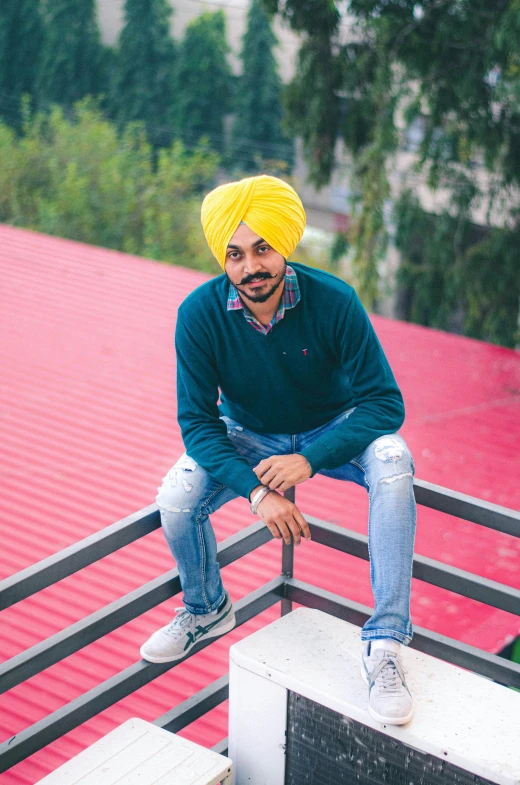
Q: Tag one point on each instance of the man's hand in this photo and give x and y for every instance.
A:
(283, 518)
(281, 472)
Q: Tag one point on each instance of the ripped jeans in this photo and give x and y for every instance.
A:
(188, 495)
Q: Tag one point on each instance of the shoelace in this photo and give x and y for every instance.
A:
(388, 674)
(176, 627)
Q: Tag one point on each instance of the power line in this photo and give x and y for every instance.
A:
(228, 4)
(343, 23)
(12, 107)
(235, 158)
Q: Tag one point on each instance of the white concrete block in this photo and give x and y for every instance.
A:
(139, 753)
(459, 717)
(257, 720)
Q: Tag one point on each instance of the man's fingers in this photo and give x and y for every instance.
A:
(273, 479)
(262, 467)
(283, 519)
(296, 531)
(284, 531)
(273, 528)
(268, 476)
(302, 523)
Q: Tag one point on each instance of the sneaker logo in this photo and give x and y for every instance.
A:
(200, 630)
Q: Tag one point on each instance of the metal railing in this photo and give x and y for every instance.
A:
(283, 588)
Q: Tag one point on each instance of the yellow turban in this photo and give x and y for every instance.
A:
(270, 207)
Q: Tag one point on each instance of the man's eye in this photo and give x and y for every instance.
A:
(264, 248)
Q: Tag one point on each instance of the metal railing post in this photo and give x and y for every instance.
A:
(288, 557)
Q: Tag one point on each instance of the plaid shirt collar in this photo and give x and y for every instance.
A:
(290, 298)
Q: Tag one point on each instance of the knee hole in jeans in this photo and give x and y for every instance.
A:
(392, 450)
(174, 492)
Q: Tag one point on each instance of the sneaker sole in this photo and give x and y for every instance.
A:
(380, 717)
(212, 634)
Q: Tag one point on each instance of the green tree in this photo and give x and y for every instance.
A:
(204, 81)
(73, 55)
(448, 275)
(21, 37)
(143, 84)
(78, 177)
(456, 62)
(257, 135)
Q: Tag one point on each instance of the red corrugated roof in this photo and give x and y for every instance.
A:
(87, 394)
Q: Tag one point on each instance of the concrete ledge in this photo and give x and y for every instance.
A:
(460, 717)
(139, 753)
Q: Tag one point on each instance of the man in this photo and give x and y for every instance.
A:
(304, 388)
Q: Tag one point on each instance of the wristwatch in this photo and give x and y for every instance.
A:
(257, 498)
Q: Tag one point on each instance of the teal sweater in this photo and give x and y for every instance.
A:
(321, 359)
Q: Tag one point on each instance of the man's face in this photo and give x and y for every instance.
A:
(253, 266)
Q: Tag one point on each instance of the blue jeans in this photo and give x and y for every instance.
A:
(188, 495)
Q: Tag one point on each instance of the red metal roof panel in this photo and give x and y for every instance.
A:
(87, 405)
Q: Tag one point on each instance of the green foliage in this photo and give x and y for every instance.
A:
(204, 81)
(143, 86)
(315, 17)
(515, 650)
(79, 179)
(312, 104)
(368, 232)
(339, 249)
(489, 273)
(21, 38)
(257, 134)
(456, 62)
(453, 50)
(455, 275)
(346, 90)
(72, 56)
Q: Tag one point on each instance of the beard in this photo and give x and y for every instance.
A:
(261, 297)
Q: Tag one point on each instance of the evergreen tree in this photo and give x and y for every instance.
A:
(143, 85)
(21, 36)
(456, 63)
(72, 52)
(257, 130)
(204, 81)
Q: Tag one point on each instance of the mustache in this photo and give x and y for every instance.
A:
(257, 277)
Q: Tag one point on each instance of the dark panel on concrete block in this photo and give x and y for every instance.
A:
(325, 748)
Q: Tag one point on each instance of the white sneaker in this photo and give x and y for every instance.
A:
(389, 699)
(174, 641)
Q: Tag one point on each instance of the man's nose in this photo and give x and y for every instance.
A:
(252, 264)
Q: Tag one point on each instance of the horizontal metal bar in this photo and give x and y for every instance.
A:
(195, 706)
(323, 600)
(498, 595)
(119, 612)
(68, 561)
(469, 508)
(119, 686)
(222, 747)
(243, 542)
(449, 649)
(55, 648)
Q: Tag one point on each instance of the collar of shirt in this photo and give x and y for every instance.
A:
(290, 298)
